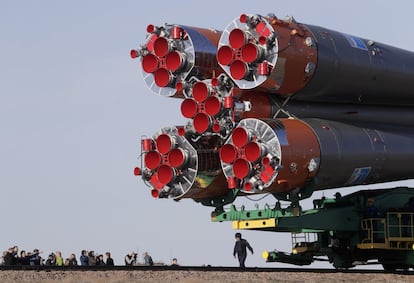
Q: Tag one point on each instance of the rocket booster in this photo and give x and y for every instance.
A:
(314, 63)
(285, 155)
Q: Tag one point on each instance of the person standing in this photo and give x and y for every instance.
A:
(84, 259)
(35, 258)
(91, 258)
(72, 260)
(240, 249)
(51, 259)
(131, 259)
(148, 259)
(109, 260)
(100, 260)
(11, 257)
(371, 211)
(174, 262)
(23, 259)
(59, 259)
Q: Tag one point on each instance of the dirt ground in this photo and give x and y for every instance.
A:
(177, 276)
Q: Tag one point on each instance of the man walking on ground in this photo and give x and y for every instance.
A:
(240, 249)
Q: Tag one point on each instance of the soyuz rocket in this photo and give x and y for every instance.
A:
(275, 106)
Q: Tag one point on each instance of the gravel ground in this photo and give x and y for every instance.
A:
(191, 277)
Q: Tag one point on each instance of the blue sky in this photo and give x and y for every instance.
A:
(73, 108)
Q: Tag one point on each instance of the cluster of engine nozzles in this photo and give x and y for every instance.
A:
(161, 57)
(163, 158)
(249, 54)
(204, 106)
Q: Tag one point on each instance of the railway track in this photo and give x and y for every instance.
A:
(201, 269)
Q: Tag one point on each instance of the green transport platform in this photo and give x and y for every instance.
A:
(337, 230)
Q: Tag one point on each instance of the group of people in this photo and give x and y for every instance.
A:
(88, 258)
(13, 257)
(131, 259)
